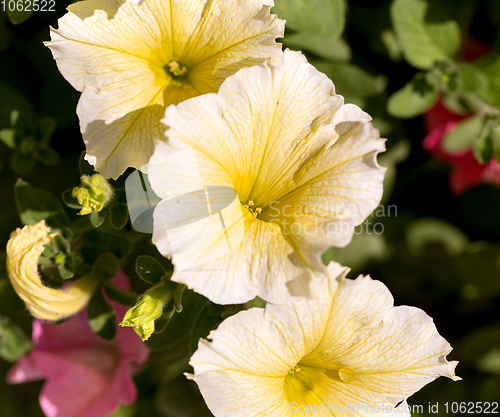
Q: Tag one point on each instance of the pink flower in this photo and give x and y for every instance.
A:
(466, 171)
(85, 376)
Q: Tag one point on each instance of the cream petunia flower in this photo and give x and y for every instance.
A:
(130, 61)
(23, 250)
(302, 164)
(347, 348)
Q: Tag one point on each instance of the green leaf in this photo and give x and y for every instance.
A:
(204, 323)
(428, 230)
(119, 295)
(106, 266)
(48, 156)
(66, 271)
(166, 315)
(34, 205)
(95, 243)
(491, 94)
(179, 326)
(150, 270)
(390, 41)
(446, 35)
(23, 163)
(118, 214)
(495, 137)
(490, 362)
(351, 80)
(102, 318)
(472, 79)
(22, 124)
(413, 99)
(13, 341)
(44, 129)
(454, 102)
(483, 149)
(319, 17)
(417, 39)
(328, 47)
(19, 16)
(49, 251)
(61, 244)
(464, 135)
(490, 66)
(8, 136)
(97, 218)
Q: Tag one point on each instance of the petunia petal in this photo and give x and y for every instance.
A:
(243, 378)
(377, 343)
(302, 161)
(118, 53)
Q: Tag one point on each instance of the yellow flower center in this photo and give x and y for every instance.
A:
(255, 211)
(307, 384)
(176, 69)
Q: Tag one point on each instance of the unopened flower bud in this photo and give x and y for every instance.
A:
(143, 315)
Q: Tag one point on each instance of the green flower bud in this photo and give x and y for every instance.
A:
(93, 194)
(143, 315)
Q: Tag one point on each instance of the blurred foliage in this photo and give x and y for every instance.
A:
(441, 253)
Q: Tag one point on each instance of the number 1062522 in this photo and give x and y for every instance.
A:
(28, 5)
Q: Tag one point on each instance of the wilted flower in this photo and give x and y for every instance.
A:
(347, 345)
(85, 375)
(23, 250)
(131, 61)
(303, 167)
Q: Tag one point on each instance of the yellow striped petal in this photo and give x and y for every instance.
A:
(302, 162)
(130, 61)
(346, 348)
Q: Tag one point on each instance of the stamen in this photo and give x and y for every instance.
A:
(293, 370)
(177, 69)
(249, 206)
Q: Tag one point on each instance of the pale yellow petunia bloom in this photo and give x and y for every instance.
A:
(130, 61)
(303, 167)
(346, 347)
(23, 250)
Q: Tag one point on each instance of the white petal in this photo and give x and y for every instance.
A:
(245, 376)
(345, 346)
(392, 351)
(281, 138)
(117, 53)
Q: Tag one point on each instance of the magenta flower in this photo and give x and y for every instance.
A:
(85, 376)
(466, 172)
